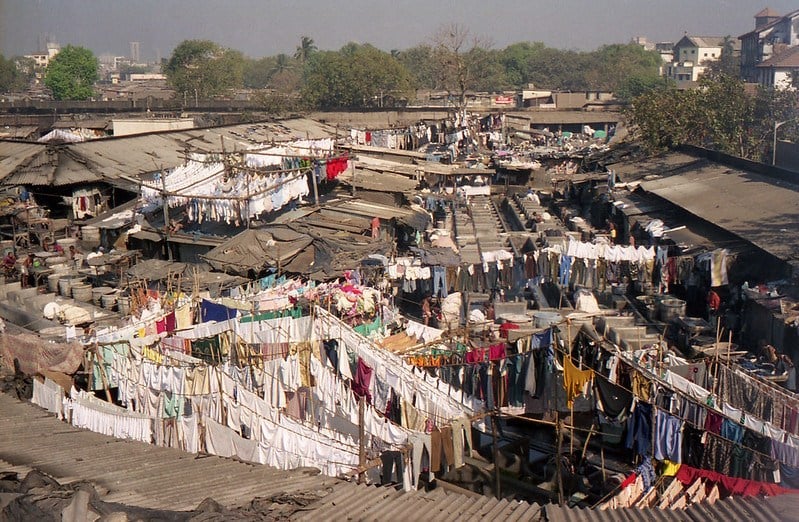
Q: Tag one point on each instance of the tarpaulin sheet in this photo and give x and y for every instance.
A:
(36, 355)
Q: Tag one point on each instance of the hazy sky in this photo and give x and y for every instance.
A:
(267, 27)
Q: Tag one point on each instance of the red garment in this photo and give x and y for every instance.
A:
(368, 138)
(496, 351)
(713, 422)
(732, 486)
(475, 356)
(335, 166)
(503, 330)
(171, 322)
(713, 300)
(360, 384)
(160, 326)
(629, 480)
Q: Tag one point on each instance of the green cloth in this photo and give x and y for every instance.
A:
(366, 329)
(206, 349)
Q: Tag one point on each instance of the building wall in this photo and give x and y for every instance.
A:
(141, 126)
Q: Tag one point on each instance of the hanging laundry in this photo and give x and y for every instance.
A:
(574, 380)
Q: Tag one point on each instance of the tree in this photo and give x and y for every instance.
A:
(15, 73)
(457, 59)
(203, 68)
(720, 115)
(727, 65)
(355, 76)
(71, 74)
(305, 49)
(418, 61)
(258, 73)
(639, 84)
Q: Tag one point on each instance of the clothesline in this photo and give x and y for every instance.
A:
(223, 393)
(236, 198)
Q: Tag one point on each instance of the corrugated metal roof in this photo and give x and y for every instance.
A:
(144, 475)
(133, 156)
(762, 210)
(782, 507)
(662, 164)
(379, 181)
(13, 154)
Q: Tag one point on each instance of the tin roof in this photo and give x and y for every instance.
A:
(115, 158)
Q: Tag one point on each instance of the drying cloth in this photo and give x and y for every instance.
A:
(574, 380)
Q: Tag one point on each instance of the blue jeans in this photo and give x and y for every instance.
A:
(565, 269)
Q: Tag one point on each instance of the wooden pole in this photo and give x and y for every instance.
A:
(557, 462)
(494, 436)
(166, 215)
(315, 188)
(602, 460)
(361, 440)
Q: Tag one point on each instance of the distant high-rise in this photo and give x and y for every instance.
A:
(134, 52)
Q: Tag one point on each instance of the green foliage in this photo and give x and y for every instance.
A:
(15, 73)
(355, 76)
(419, 62)
(72, 73)
(727, 65)
(606, 69)
(258, 73)
(205, 68)
(306, 48)
(719, 115)
(636, 85)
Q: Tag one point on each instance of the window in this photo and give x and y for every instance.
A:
(705, 55)
(693, 51)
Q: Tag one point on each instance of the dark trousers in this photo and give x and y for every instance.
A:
(391, 460)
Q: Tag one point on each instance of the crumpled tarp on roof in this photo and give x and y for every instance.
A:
(437, 256)
(189, 275)
(336, 253)
(257, 250)
(36, 354)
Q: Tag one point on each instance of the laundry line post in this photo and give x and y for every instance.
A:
(361, 440)
(497, 479)
(166, 214)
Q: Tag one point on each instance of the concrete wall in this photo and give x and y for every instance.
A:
(140, 126)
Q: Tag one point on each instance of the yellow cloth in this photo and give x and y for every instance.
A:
(670, 468)
(642, 388)
(183, 317)
(152, 355)
(574, 380)
(197, 381)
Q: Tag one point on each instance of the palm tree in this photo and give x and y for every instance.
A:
(305, 49)
(282, 63)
